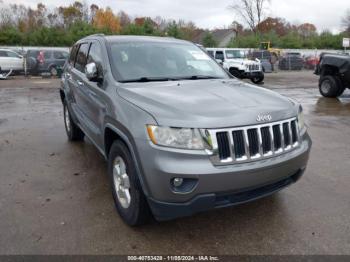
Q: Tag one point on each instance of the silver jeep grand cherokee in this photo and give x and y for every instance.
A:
(180, 134)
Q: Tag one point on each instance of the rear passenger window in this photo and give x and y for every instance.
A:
(73, 54)
(58, 55)
(81, 59)
(47, 54)
(3, 53)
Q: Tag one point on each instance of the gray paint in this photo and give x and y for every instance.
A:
(198, 104)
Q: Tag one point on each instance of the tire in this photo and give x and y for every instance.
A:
(330, 86)
(74, 133)
(53, 71)
(129, 200)
(235, 73)
(258, 79)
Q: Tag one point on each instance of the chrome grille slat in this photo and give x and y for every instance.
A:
(251, 143)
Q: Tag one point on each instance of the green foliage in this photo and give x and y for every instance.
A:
(293, 40)
(146, 29)
(10, 36)
(209, 41)
(173, 30)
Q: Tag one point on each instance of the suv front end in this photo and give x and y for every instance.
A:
(215, 168)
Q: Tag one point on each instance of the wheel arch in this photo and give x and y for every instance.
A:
(329, 70)
(113, 133)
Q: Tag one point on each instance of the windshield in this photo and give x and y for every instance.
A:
(230, 54)
(153, 61)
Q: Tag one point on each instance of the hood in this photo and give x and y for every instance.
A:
(207, 103)
(246, 61)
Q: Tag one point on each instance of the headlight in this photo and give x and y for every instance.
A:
(184, 138)
(301, 122)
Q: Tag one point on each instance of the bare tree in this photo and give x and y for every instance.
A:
(251, 11)
(346, 21)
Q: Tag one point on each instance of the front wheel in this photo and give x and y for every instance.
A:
(258, 79)
(74, 133)
(235, 73)
(331, 86)
(128, 196)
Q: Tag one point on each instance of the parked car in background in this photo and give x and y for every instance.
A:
(334, 72)
(238, 64)
(10, 60)
(45, 60)
(311, 62)
(265, 59)
(291, 61)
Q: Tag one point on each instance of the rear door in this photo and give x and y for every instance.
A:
(15, 61)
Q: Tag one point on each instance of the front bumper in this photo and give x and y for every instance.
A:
(215, 186)
(251, 75)
(163, 211)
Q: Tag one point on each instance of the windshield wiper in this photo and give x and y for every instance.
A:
(196, 77)
(148, 79)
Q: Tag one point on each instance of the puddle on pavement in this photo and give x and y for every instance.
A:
(333, 106)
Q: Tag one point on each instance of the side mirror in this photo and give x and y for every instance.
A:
(91, 72)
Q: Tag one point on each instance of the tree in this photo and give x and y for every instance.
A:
(70, 14)
(188, 30)
(251, 11)
(124, 19)
(276, 24)
(209, 41)
(173, 30)
(346, 21)
(105, 19)
(306, 30)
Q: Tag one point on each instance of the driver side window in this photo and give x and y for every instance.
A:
(219, 55)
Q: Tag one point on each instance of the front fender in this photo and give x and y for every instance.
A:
(127, 138)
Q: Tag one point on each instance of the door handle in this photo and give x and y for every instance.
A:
(80, 83)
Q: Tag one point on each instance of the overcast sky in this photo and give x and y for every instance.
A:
(213, 14)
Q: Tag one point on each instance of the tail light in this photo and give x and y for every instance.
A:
(40, 57)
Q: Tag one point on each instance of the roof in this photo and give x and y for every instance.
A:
(135, 38)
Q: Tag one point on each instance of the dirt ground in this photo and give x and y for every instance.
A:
(55, 196)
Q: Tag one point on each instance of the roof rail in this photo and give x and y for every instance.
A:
(100, 34)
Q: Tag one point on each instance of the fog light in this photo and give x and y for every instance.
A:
(177, 182)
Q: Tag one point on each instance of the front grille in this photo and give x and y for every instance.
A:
(254, 142)
(238, 141)
(223, 144)
(254, 67)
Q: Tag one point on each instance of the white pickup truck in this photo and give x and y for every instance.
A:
(237, 63)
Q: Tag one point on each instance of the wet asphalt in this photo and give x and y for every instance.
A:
(55, 196)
